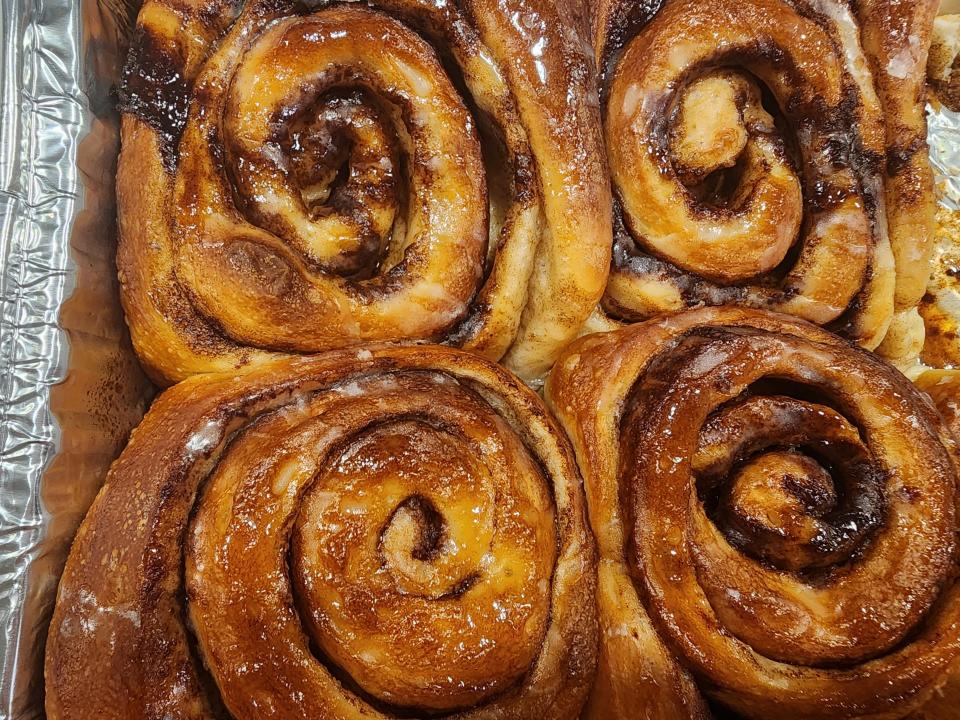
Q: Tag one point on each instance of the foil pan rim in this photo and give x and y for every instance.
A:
(44, 115)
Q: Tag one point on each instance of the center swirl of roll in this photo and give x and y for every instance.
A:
(330, 176)
(745, 146)
(789, 482)
(804, 535)
(393, 534)
(420, 548)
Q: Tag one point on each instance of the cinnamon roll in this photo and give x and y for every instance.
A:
(768, 154)
(298, 176)
(380, 533)
(776, 516)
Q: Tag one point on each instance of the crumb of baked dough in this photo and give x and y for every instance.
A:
(903, 342)
(943, 62)
(940, 307)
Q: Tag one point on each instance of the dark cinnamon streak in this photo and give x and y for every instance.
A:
(154, 89)
(628, 19)
(899, 156)
(843, 147)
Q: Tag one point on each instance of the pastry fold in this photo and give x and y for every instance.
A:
(775, 511)
(294, 180)
(388, 532)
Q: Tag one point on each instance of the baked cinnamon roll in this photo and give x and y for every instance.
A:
(297, 176)
(776, 516)
(363, 534)
(768, 154)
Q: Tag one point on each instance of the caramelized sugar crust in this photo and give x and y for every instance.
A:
(776, 514)
(294, 180)
(388, 532)
(769, 154)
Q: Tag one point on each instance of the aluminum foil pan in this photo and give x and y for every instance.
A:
(60, 320)
(70, 388)
(943, 134)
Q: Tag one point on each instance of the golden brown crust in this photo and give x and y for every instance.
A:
(940, 307)
(943, 65)
(896, 40)
(943, 387)
(710, 107)
(406, 171)
(357, 534)
(775, 512)
(945, 702)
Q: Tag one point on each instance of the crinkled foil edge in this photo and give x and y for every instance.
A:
(43, 117)
(943, 135)
(70, 386)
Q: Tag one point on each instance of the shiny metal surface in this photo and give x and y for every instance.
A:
(70, 389)
(43, 114)
(943, 133)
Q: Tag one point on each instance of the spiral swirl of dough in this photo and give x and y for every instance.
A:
(769, 154)
(293, 181)
(373, 534)
(776, 514)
